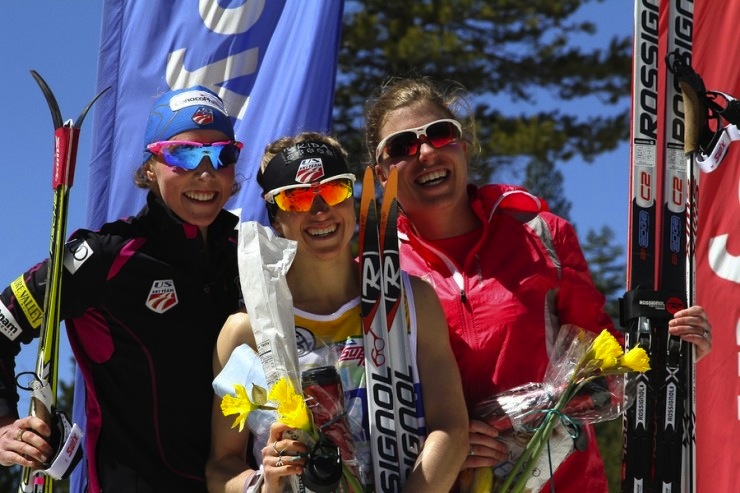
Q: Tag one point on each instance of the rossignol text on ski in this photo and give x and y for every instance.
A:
(392, 398)
(659, 433)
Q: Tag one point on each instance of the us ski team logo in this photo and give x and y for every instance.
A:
(310, 170)
(203, 116)
(162, 296)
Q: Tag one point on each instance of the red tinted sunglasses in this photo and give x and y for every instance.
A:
(407, 142)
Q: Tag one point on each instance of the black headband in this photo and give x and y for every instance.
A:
(304, 163)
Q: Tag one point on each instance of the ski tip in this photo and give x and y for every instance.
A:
(368, 177)
(367, 199)
(78, 122)
(56, 115)
(391, 186)
(368, 188)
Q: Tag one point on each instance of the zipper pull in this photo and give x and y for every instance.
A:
(463, 298)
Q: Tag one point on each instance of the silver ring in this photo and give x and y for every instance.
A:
(279, 463)
(705, 334)
(470, 452)
(278, 452)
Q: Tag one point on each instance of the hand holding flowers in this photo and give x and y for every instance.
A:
(583, 384)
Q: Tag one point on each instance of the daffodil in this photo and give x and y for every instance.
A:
(636, 359)
(604, 356)
(607, 350)
(242, 404)
(291, 407)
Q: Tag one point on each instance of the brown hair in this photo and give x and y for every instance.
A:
(397, 92)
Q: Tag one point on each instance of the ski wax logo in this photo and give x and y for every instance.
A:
(310, 170)
(203, 116)
(162, 296)
(674, 304)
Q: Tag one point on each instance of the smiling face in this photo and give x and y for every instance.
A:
(324, 232)
(433, 179)
(196, 196)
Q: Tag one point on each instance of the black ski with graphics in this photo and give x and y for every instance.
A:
(659, 436)
(65, 438)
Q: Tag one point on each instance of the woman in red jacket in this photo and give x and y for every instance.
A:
(508, 272)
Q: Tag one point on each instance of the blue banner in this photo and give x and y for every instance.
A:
(274, 64)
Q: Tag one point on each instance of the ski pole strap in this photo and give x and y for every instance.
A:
(655, 305)
(701, 107)
(714, 152)
(711, 161)
(66, 439)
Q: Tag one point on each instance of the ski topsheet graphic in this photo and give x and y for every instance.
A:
(659, 435)
(392, 399)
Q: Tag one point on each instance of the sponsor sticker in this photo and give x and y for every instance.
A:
(310, 170)
(203, 116)
(193, 98)
(162, 296)
(8, 325)
(76, 253)
(33, 312)
(305, 341)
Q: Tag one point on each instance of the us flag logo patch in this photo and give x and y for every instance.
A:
(162, 296)
(310, 170)
(203, 116)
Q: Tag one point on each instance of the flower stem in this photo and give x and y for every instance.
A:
(525, 463)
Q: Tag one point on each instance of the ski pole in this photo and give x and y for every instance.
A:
(695, 121)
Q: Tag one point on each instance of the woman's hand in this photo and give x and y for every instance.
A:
(281, 457)
(23, 442)
(485, 449)
(692, 325)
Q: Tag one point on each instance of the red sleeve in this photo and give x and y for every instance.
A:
(579, 302)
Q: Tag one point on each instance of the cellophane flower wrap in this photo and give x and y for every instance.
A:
(540, 422)
(264, 260)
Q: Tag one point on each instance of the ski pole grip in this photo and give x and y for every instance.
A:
(694, 117)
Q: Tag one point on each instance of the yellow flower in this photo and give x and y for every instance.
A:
(636, 359)
(607, 349)
(291, 407)
(241, 404)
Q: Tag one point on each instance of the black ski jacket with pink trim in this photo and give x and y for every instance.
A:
(143, 301)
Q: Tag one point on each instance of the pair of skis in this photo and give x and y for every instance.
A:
(659, 437)
(44, 386)
(391, 393)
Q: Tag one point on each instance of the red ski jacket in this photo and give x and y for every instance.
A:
(523, 279)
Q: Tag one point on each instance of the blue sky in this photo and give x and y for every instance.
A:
(59, 39)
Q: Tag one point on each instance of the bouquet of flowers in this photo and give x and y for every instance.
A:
(312, 403)
(584, 383)
(318, 420)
